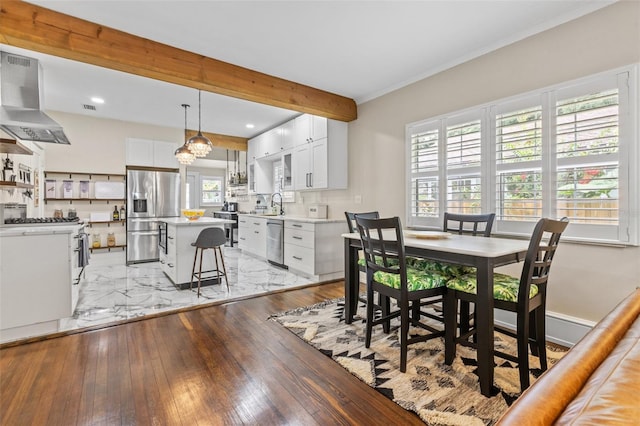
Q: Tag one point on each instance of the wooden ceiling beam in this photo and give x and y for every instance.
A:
(32, 27)
(234, 143)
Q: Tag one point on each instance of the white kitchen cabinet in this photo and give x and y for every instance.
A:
(263, 176)
(252, 235)
(322, 163)
(313, 151)
(314, 249)
(150, 153)
(288, 135)
(266, 144)
(252, 149)
(33, 299)
(164, 155)
(139, 152)
(287, 171)
(309, 128)
(272, 142)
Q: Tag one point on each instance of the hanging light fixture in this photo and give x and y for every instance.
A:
(199, 145)
(183, 154)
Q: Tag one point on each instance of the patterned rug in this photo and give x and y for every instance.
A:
(438, 393)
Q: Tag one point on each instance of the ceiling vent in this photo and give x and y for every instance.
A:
(89, 107)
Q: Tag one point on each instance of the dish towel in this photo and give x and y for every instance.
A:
(83, 252)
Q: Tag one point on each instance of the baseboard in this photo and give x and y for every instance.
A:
(562, 329)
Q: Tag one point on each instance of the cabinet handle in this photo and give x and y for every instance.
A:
(242, 238)
(310, 180)
(256, 223)
(297, 258)
(296, 225)
(162, 261)
(170, 265)
(169, 238)
(256, 232)
(296, 237)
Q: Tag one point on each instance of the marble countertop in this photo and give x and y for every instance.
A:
(11, 231)
(294, 218)
(203, 221)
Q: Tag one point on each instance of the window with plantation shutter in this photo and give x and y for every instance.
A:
(463, 167)
(587, 129)
(570, 150)
(423, 157)
(518, 144)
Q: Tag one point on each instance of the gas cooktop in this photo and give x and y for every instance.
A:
(41, 221)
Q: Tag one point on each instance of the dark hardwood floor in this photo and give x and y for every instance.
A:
(225, 364)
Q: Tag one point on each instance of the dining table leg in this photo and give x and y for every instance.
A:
(484, 326)
(351, 281)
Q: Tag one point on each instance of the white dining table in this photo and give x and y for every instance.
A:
(485, 254)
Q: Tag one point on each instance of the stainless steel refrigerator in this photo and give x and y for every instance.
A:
(151, 194)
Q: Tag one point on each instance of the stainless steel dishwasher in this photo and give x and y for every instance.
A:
(275, 242)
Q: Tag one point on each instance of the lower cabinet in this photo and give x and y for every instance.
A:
(314, 249)
(35, 282)
(252, 235)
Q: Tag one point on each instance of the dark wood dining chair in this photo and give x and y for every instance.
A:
(351, 223)
(462, 224)
(388, 274)
(471, 224)
(351, 218)
(526, 296)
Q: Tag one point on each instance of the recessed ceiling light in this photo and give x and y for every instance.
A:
(97, 100)
(250, 126)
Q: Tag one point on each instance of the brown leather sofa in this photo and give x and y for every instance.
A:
(596, 383)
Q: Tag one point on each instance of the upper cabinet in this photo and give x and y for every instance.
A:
(288, 135)
(311, 150)
(309, 128)
(150, 153)
(321, 161)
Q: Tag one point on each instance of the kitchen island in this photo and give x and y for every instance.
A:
(176, 251)
(34, 298)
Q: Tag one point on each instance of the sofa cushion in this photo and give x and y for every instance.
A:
(612, 393)
(550, 399)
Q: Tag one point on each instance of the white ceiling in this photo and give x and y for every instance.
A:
(358, 49)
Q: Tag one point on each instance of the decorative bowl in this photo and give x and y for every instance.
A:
(193, 214)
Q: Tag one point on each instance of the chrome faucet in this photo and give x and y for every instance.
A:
(273, 203)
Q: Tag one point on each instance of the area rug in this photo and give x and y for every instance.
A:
(438, 393)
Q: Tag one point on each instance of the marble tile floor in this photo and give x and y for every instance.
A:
(111, 293)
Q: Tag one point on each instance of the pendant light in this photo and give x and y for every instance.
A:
(183, 154)
(199, 145)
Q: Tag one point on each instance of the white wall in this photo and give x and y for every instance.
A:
(97, 145)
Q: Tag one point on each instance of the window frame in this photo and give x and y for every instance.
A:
(201, 190)
(626, 232)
